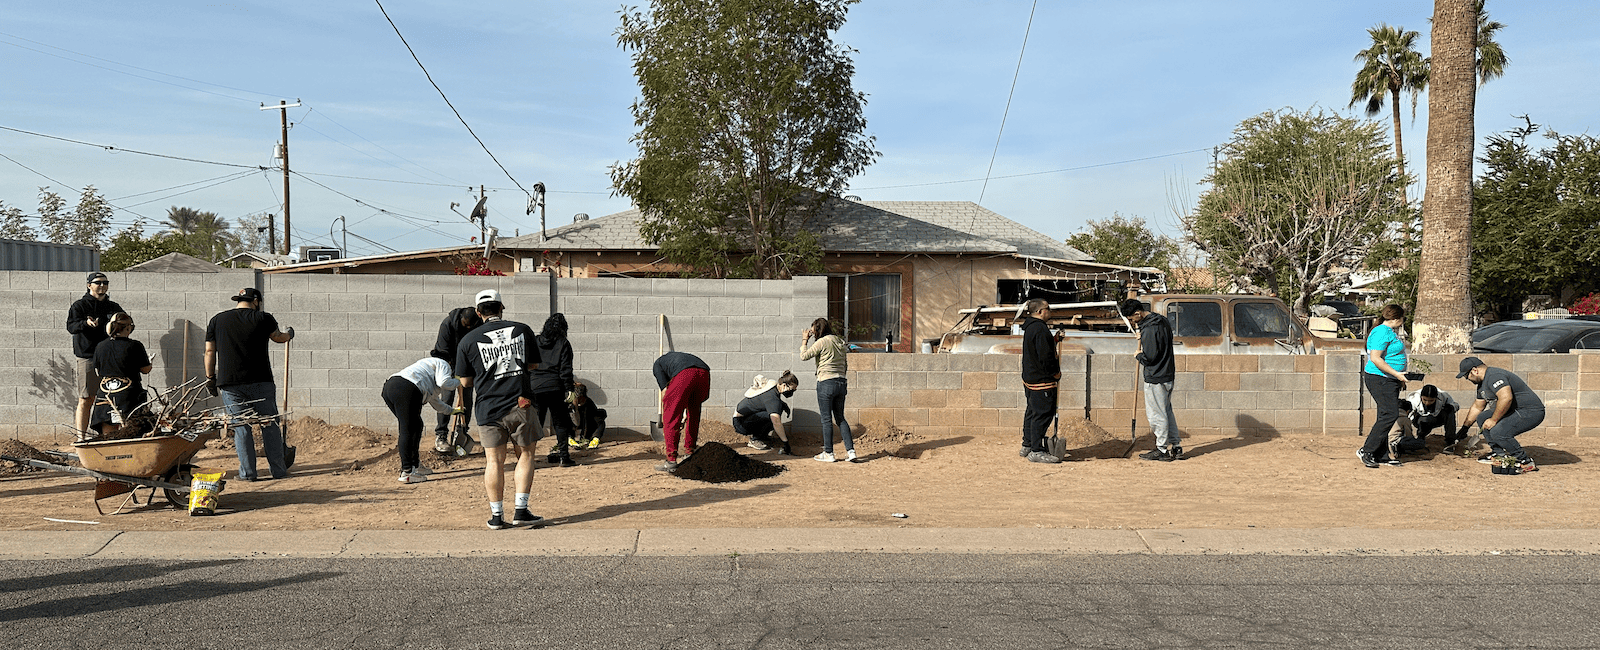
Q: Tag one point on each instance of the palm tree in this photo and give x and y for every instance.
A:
(1389, 67)
(1444, 300)
(1491, 59)
(207, 233)
(183, 220)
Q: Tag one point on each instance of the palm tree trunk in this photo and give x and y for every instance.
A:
(1444, 297)
(1399, 152)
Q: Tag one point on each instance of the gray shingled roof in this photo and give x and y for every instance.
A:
(846, 226)
(176, 263)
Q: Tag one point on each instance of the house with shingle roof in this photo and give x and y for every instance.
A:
(899, 271)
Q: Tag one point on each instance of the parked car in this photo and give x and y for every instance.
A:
(1536, 336)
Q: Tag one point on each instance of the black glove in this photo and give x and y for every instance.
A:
(290, 332)
(211, 386)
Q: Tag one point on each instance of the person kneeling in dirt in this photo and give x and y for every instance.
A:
(429, 380)
(120, 361)
(1506, 407)
(588, 420)
(1431, 409)
(761, 411)
(1402, 440)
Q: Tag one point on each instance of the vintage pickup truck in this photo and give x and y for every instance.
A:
(1201, 324)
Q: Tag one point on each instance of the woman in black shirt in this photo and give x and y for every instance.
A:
(120, 361)
(761, 411)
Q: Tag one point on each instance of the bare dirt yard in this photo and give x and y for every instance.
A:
(346, 475)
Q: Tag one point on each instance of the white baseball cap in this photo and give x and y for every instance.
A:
(487, 295)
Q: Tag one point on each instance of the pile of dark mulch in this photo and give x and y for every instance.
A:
(18, 449)
(715, 462)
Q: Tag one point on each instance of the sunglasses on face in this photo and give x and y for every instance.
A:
(100, 282)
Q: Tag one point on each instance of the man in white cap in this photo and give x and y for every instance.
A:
(494, 360)
(1515, 410)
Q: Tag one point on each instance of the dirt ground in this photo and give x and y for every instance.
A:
(346, 475)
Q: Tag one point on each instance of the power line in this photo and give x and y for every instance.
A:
(1053, 171)
(108, 147)
(126, 65)
(235, 177)
(208, 180)
(1007, 113)
(447, 100)
(69, 185)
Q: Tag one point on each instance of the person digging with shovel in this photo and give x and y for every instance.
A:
(238, 367)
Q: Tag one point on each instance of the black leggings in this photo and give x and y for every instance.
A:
(405, 402)
(1385, 391)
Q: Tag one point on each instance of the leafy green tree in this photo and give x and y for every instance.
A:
(1492, 59)
(1296, 202)
(1125, 241)
(54, 220)
(91, 219)
(208, 235)
(252, 231)
(131, 247)
(1535, 218)
(1390, 66)
(747, 122)
(14, 224)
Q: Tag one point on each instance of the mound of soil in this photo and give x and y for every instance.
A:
(715, 462)
(18, 449)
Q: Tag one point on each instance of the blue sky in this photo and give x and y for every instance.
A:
(545, 86)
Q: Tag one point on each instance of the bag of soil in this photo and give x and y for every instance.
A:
(203, 491)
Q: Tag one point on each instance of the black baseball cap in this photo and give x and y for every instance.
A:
(95, 275)
(1467, 365)
(248, 294)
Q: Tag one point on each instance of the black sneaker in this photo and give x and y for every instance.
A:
(1393, 461)
(1366, 458)
(566, 461)
(496, 523)
(524, 518)
(1174, 453)
(553, 458)
(1155, 454)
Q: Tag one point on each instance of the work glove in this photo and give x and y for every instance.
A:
(211, 386)
(571, 396)
(290, 332)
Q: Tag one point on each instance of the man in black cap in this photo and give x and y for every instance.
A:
(86, 320)
(455, 326)
(238, 366)
(1160, 373)
(1515, 410)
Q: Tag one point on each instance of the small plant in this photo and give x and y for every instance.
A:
(1586, 306)
(1421, 365)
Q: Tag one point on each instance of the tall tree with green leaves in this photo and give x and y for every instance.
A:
(92, 218)
(1296, 201)
(1125, 241)
(1390, 66)
(130, 247)
(55, 223)
(14, 224)
(747, 122)
(1492, 59)
(1444, 296)
(208, 235)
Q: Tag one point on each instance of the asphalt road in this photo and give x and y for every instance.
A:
(924, 601)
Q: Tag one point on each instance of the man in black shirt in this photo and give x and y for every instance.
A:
(495, 359)
(238, 366)
(1160, 372)
(86, 320)
(456, 325)
(1041, 380)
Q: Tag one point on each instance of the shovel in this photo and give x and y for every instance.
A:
(1054, 445)
(283, 415)
(1138, 383)
(657, 433)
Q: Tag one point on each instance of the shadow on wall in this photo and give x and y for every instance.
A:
(57, 382)
(182, 351)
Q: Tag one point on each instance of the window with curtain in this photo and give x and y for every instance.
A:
(868, 306)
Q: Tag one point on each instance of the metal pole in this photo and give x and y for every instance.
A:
(283, 120)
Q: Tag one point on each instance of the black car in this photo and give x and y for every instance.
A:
(1536, 336)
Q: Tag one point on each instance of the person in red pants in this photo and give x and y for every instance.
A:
(685, 382)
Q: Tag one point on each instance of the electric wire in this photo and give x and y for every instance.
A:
(108, 147)
(69, 185)
(235, 177)
(174, 187)
(347, 129)
(447, 100)
(1007, 113)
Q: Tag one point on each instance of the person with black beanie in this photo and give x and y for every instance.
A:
(551, 383)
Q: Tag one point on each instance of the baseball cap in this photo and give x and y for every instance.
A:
(248, 293)
(1467, 365)
(487, 295)
(95, 275)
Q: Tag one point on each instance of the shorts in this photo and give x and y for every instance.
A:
(514, 427)
(88, 379)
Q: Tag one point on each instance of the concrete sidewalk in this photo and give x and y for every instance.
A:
(119, 545)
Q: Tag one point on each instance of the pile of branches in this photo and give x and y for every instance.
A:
(172, 412)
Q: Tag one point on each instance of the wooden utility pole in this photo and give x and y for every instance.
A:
(283, 148)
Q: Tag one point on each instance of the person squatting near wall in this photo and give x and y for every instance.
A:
(762, 409)
(833, 365)
(237, 366)
(86, 321)
(495, 359)
(1041, 380)
(1505, 408)
(455, 325)
(588, 420)
(429, 380)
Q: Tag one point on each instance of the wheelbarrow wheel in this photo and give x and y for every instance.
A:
(182, 476)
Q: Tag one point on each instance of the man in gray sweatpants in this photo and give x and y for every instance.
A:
(1160, 371)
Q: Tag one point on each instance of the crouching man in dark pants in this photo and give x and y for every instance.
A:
(1041, 380)
(1505, 408)
(1431, 409)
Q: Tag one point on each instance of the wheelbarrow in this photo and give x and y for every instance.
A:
(123, 466)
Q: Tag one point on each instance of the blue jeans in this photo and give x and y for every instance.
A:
(260, 397)
(1158, 409)
(830, 405)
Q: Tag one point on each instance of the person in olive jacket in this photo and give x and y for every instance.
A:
(86, 320)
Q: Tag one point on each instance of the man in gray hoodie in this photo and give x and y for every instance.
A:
(1160, 371)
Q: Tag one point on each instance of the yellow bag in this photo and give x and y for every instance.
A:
(203, 491)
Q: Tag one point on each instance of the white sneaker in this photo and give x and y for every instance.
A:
(850, 455)
(412, 477)
(422, 470)
(824, 457)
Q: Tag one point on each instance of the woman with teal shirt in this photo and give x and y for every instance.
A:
(1384, 376)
